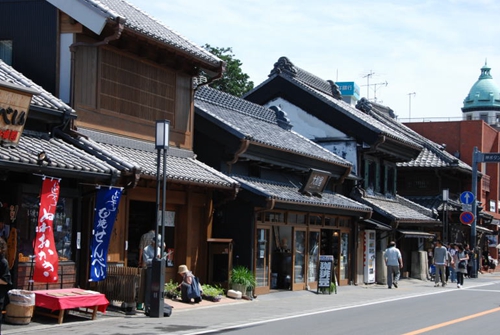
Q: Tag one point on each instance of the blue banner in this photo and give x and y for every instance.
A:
(108, 199)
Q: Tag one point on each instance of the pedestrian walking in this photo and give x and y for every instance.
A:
(440, 260)
(394, 262)
(469, 253)
(462, 260)
(451, 273)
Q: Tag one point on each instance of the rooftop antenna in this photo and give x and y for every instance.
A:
(375, 89)
(368, 83)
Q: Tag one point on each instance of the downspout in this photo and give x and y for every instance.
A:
(344, 176)
(120, 25)
(243, 147)
(373, 148)
(222, 69)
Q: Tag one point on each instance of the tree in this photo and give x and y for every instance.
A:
(233, 80)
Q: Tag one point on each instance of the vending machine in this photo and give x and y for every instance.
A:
(369, 256)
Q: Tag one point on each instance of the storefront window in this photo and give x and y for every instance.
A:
(330, 221)
(315, 220)
(344, 256)
(300, 239)
(297, 218)
(262, 266)
(275, 217)
(27, 221)
(312, 274)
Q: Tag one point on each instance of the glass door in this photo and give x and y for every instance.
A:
(343, 267)
(336, 242)
(262, 270)
(299, 258)
(313, 259)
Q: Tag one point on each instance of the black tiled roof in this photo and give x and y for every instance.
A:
(324, 90)
(62, 157)
(258, 124)
(397, 209)
(433, 155)
(43, 99)
(132, 155)
(145, 24)
(288, 192)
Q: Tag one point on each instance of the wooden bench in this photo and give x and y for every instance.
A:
(64, 300)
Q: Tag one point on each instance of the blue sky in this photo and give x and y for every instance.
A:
(432, 48)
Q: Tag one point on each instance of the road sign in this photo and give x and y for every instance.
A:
(466, 217)
(491, 157)
(467, 197)
(466, 208)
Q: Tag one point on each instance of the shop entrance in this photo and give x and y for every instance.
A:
(336, 242)
(142, 218)
(262, 261)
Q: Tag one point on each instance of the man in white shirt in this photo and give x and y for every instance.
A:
(394, 262)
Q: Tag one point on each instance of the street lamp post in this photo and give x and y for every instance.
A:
(446, 233)
(158, 262)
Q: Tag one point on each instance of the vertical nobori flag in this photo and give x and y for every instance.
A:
(106, 209)
(47, 260)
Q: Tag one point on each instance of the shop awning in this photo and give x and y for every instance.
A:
(416, 234)
(377, 225)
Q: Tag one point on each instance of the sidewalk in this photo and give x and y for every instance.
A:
(264, 306)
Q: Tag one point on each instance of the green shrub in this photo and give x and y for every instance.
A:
(171, 288)
(243, 276)
(212, 291)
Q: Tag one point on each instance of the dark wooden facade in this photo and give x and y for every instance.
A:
(121, 82)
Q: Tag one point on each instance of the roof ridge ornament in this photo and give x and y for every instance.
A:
(284, 65)
(281, 117)
(335, 90)
(364, 105)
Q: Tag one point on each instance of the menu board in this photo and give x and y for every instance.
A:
(325, 271)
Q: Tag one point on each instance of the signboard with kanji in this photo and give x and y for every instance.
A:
(325, 271)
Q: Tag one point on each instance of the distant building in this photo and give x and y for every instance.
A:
(350, 91)
(483, 100)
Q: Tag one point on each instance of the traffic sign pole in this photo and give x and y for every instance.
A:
(473, 234)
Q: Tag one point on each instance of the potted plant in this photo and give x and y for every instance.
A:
(170, 290)
(242, 279)
(212, 293)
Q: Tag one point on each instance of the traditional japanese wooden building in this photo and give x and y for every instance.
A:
(374, 149)
(120, 70)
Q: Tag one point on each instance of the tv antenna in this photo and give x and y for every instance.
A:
(375, 85)
(368, 76)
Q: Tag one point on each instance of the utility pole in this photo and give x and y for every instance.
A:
(409, 96)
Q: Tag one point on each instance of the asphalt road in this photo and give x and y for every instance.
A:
(416, 307)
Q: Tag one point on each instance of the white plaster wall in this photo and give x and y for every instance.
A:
(312, 128)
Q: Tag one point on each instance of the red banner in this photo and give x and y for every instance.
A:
(46, 261)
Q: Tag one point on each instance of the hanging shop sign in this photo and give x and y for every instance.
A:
(14, 105)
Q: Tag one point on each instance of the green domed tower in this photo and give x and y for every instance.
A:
(483, 100)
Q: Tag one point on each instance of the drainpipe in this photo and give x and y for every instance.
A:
(120, 25)
(243, 147)
(378, 143)
(222, 69)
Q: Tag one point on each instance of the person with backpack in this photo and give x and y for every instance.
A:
(190, 286)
